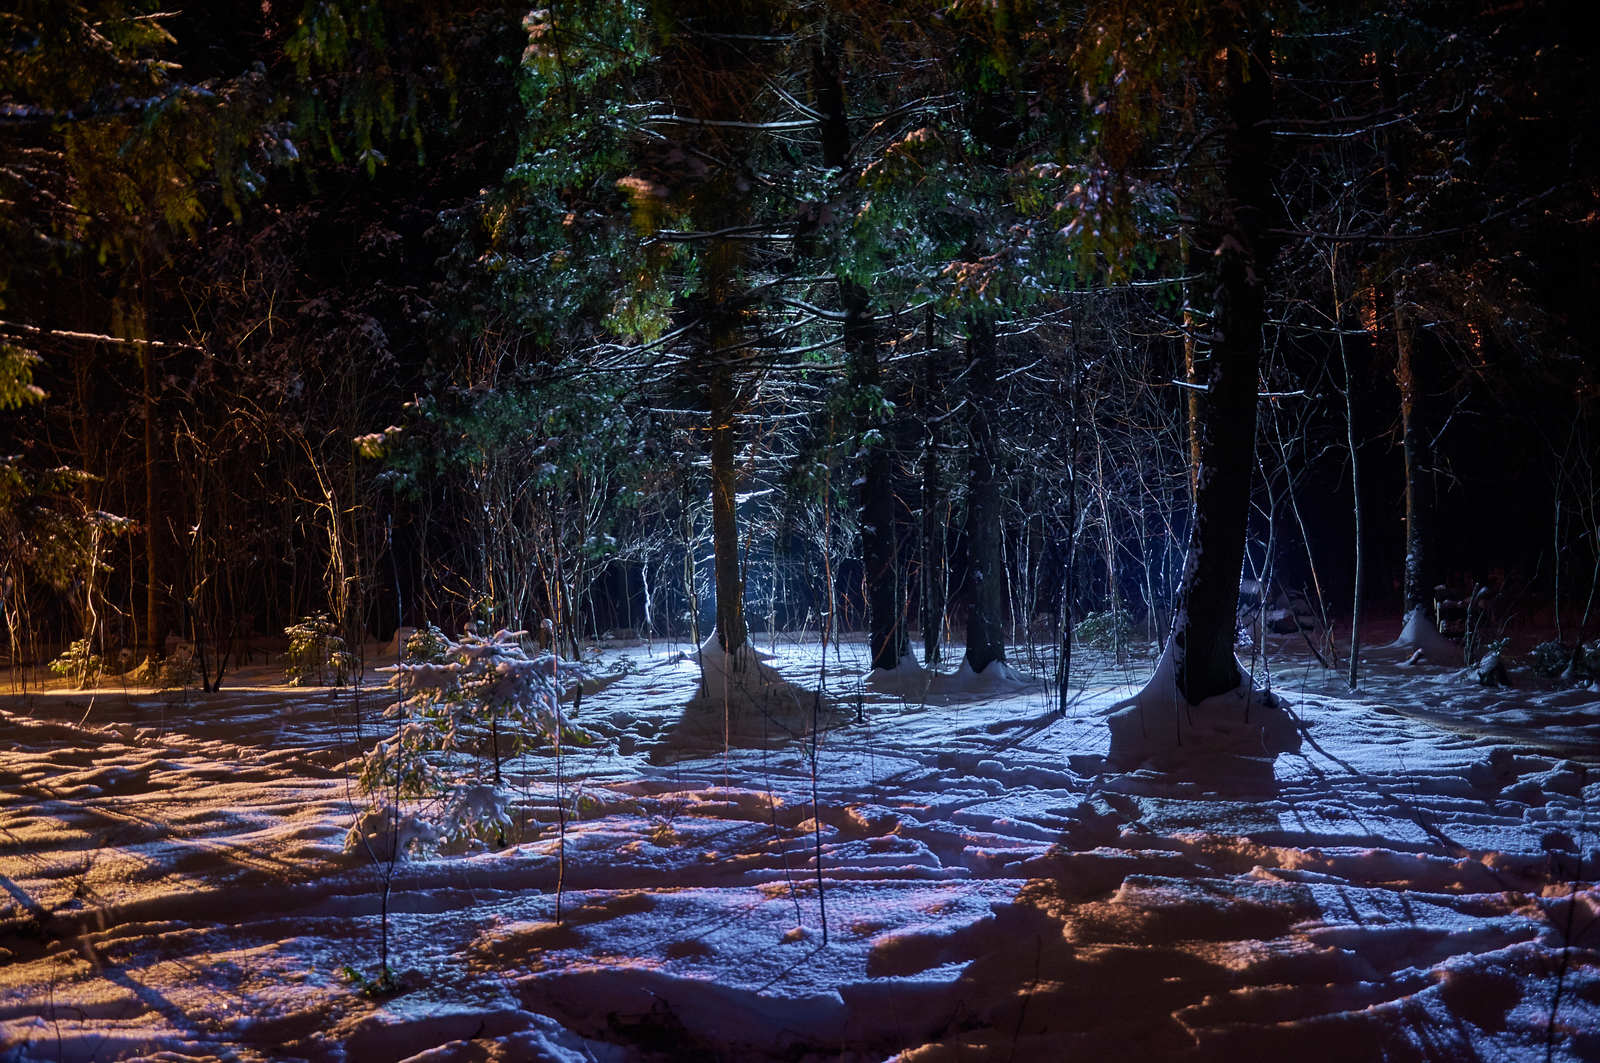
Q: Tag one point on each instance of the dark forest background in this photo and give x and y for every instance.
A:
(669, 316)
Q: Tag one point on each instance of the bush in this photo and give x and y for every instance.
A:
(1105, 630)
(1490, 667)
(180, 668)
(78, 662)
(425, 644)
(317, 656)
(1549, 659)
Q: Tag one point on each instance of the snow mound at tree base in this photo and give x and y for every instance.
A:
(743, 701)
(996, 676)
(1158, 727)
(907, 679)
(742, 682)
(910, 681)
(1420, 633)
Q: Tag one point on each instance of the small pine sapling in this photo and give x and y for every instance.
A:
(179, 670)
(1106, 630)
(457, 721)
(317, 655)
(425, 644)
(454, 702)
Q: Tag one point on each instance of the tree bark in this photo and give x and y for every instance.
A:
(1204, 632)
(157, 619)
(985, 565)
(1070, 567)
(1351, 439)
(731, 630)
(1192, 396)
(874, 484)
(154, 635)
(1418, 582)
(1419, 491)
(932, 569)
(711, 76)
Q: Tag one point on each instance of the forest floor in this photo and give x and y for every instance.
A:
(957, 874)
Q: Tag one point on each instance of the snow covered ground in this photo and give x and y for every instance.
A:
(970, 881)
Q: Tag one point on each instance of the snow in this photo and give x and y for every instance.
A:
(1420, 635)
(907, 679)
(1159, 727)
(1417, 880)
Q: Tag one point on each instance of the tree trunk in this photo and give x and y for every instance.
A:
(1070, 567)
(875, 489)
(1208, 598)
(1418, 585)
(985, 566)
(731, 631)
(1419, 491)
(154, 625)
(157, 619)
(1351, 440)
(711, 73)
(876, 494)
(1192, 394)
(932, 569)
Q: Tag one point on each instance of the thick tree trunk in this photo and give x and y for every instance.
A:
(1419, 489)
(154, 621)
(1205, 629)
(876, 494)
(985, 564)
(1070, 567)
(1418, 583)
(731, 630)
(710, 75)
(158, 618)
(874, 486)
(932, 570)
(1351, 440)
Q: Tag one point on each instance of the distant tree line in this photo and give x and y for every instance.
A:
(934, 318)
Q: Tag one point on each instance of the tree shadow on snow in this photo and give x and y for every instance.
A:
(1173, 945)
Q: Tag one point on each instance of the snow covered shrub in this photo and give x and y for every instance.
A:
(1550, 658)
(456, 721)
(78, 662)
(426, 643)
(1104, 631)
(1490, 668)
(317, 655)
(179, 668)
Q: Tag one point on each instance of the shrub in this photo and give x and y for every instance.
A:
(425, 644)
(78, 662)
(317, 656)
(180, 668)
(1105, 630)
(1490, 667)
(1549, 659)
